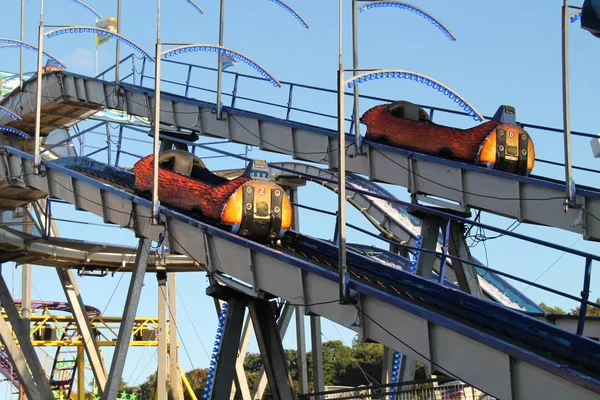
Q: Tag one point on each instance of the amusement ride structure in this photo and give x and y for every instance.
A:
(423, 296)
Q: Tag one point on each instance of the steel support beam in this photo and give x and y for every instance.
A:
(175, 383)
(226, 360)
(80, 373)
(42, 386)
(317, 354)
(18, 361)
(388, 363)
(429, 239)
(131, 305)
(26, 278)
(301, 351)
(465, 273)
(161, 374)
(282, 324)
(241, 383)
(271, 350)
(90, 344)
(73, 296)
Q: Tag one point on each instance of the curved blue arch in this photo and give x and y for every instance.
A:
(291, 11)
(87, 7)
(195, 6)
(27, 46)
(101, 32)
(14, 132)
(226, 52)
(11, 114)
(410, 7)
(424, 79)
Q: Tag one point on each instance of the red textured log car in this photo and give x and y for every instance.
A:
(492, 144)
(253, 208)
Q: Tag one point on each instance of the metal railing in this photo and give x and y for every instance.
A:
(430, 389)
(285, 109)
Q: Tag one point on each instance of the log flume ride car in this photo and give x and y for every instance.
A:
(252, 208)
(492, 144)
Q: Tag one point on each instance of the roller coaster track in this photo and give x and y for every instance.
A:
(394, 221)
(69, 98)
(498, 350)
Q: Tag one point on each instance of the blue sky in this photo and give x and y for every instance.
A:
(506, 53)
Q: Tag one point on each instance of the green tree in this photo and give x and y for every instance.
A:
(590, 312)
(552, 310)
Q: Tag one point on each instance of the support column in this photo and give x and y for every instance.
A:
(388, 363)
(430, 230)
(24, 339)
(19, 362)
(175, 383)
(282, 324)
(225, 368)
(317, 354)
(126, 329)
(73, 296)
(271, 350)
(241, 383)
(161, 374)
(90, 344)
(465, 273)
(301, 350)
(26, 279)
(80, 373)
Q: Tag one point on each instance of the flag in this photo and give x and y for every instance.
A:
(228, 61)
(110, 24)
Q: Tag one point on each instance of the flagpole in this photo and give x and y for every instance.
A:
(96, 43)
(22, 40)
(220, 66)
(118, 42)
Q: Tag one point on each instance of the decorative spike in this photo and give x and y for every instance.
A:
(408, 7)
(291, 11)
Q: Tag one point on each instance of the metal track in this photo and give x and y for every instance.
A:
(500, 351)
(529, 199)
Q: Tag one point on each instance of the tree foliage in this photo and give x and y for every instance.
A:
(359, 364)
(590, 312)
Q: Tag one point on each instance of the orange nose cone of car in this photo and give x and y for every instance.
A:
(509, 145)
(258, 209)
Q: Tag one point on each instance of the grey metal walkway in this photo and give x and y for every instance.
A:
(489, 346)
(528, 199)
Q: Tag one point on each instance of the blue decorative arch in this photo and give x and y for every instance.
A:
(14, 132)
(195, 6)
(576, 16)
(226, 52)
(101, 32)
(11, 114)
(409, 7)
(291, 11)
(87, 7)
(13, 42)
(424, 79)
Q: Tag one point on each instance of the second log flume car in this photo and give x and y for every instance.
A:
(493, 144)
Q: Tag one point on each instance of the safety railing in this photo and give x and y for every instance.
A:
(297, 100)
(431, 389)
